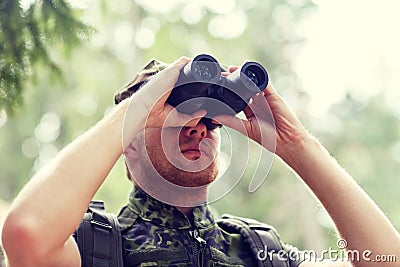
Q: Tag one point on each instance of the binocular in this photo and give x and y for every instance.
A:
(201, 86)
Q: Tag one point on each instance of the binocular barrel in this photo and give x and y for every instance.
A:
(201, 86)
(194, 81)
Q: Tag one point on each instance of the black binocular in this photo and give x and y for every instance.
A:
(201, 86)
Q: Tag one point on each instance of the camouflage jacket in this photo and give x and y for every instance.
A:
(157, 234)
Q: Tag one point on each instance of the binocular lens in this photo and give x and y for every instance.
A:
(203, 71)
(253, 77)
(205, 68)
(255, 74)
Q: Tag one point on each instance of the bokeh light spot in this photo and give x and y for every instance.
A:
(144, 38)
(228, 26)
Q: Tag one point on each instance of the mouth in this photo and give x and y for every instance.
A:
(191, 153)
(195, 151)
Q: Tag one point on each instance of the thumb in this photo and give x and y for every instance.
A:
(179, 119)
(232, 122)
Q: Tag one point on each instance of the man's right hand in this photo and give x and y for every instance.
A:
(148, 107)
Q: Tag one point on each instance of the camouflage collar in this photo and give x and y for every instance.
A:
(162, 214)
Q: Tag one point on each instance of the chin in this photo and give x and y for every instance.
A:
(194, 179)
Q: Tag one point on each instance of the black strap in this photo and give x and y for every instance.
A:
(99, 238)
(262, 238)
(102, 232)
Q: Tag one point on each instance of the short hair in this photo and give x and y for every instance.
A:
(151, 68)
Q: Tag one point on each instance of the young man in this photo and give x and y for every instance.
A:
(156, 223)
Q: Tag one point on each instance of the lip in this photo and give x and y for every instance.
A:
(191, 153)
(191, 149)
(207, 149)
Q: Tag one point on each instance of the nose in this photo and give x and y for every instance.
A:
(198, 131)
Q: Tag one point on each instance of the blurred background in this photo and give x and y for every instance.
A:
(335, 62)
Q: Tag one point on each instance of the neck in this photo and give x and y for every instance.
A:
(183, 198)
(185, 210)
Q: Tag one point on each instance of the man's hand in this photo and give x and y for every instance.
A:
(268, 120)
(357, 218)
(149, 105)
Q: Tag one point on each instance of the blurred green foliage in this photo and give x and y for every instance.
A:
(363, 136)
(26, 34)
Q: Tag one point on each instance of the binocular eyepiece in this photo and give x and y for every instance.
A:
(201, 86)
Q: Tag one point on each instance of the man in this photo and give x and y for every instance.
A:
(2, 257)
(3, 211)
(37, 231)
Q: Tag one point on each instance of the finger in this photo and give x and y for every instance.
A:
(248, 112)
(254, 104)
(213, 121)
(172, 71)
(196, 117)
(225, 73)
(270, 90)
(273, 98)
(232, 68)
(179, 63)
(232, 122)
(182, 60)
(159, 87)
(178, 119)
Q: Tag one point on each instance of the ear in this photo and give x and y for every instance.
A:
(132, 151)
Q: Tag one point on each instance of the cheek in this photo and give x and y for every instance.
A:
(215, 136)
(163, 141)
(169, 140)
